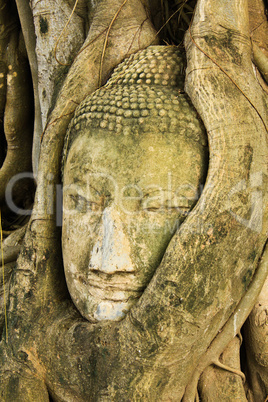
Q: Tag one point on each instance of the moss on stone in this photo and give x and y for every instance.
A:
(43, 25)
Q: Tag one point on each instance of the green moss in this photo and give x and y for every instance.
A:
(224, 46)
(13, 384)
(43, 25)
(59, 79)
(22, 355)
(28, 294)
(252, 255)
(247, 278)
(104, 352)
(248, 156)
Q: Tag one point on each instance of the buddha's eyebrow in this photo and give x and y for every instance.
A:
(84, 184)
(78, 180)
(158, 191)
(77, 174)
(152, 191)
(77, 165)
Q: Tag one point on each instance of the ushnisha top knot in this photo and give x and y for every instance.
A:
(145, 91)
(155, 65)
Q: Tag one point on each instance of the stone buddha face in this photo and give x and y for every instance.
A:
(134, 160)
(123, 200)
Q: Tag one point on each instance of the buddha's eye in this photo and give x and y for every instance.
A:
(153, 208)
(80, 204)
(154, 204)
(162, 209)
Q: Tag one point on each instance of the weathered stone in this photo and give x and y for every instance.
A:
(148, 84)
(138, 145)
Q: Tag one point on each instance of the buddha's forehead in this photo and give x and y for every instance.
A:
(148, 159)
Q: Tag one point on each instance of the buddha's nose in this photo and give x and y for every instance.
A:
(111, 252)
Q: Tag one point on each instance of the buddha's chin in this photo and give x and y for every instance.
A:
(112, 310)
(97, 309)
(98, 306)
(110, 303)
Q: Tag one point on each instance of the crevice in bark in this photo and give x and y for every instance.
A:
(16, 110)
(26, 21)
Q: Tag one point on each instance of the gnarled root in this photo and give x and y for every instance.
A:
(224, 381)
(256, 336)
(16, 108)
(230, 330)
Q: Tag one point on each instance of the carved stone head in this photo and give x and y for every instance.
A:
(134, 160)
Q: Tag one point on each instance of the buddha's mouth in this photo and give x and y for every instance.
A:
(114, 287)
(120, 280)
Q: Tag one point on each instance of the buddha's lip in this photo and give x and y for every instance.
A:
(113, 295)
(113, 291)
(119, 281)
(115, 287)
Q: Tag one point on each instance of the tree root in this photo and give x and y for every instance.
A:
(27, 26)
(18, 109)
(230, 330)
(261, 61)
(230, 369)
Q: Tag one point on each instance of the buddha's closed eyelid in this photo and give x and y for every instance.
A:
(82, 204)
(155, 200)
(157, 204)
(167, 209)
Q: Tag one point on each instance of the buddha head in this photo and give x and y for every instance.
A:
(131, 174)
